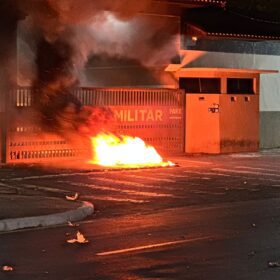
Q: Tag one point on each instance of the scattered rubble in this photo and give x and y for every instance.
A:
(70, 224)
(274, 264)
(80, 239)
(72, 198)
(251, 254)
(7, 268)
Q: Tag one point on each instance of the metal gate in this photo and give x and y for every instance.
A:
(155, 115)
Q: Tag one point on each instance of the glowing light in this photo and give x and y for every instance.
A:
(124, 151)
(194, 38)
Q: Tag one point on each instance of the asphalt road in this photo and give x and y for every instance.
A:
(214, 217)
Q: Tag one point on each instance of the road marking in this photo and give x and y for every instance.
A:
(256, 168)
(109, 198)
(196, 161)
(127, 183)
(115, 181)
(151, 246)
(68, 174)
(42, 188)
(252, 155)
(268, 165)
(172, 175)
(152, 178)
(206, 173)
(207, 192)
(240, 176)
(140, 193)
(246, 172)
(50, 176)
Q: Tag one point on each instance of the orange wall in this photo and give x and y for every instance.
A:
(202, 126)
(239, 123)
(233, 126)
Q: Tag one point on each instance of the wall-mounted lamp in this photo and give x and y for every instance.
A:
(194, 38)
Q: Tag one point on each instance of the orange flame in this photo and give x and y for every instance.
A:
(124, 151)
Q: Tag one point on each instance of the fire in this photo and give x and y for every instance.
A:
(124, 151)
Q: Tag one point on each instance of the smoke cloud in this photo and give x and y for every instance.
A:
(58, 37)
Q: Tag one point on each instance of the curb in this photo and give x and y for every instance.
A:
(78, 214)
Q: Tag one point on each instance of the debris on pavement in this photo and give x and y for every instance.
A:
(70, 224)
(7, 268)
(274, 264)
(80, 239)
(72, 198)
(251, 254)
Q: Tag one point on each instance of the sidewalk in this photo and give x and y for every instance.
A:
(26, 211)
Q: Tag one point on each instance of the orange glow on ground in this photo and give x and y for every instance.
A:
(124, 151)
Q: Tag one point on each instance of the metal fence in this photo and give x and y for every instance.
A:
(155, 115)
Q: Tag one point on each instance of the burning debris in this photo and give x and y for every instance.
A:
(124, 151)
(72, 198)
(7, 268)
(80, 239)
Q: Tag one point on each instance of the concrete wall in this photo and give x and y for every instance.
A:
(270, 129)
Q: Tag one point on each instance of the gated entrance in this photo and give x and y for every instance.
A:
(155, 115)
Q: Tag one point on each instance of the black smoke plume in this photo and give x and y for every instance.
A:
(62, 35)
